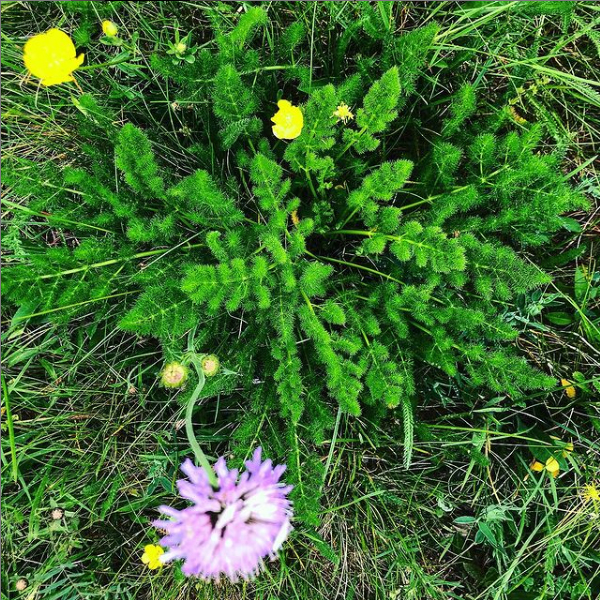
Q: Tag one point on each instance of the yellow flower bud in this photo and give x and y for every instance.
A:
(109, 28)
(181, 48)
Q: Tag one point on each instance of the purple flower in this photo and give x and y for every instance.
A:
(231, 529)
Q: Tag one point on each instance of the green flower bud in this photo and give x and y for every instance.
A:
(174, 375)
(210, 365)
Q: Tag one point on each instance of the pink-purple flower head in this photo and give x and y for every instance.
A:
(230, 529)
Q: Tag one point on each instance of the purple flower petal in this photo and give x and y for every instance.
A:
(229, 530)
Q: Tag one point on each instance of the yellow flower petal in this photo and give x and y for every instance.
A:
(568, 449)
(591, 492)
(552, 466)
(151, 556)
(570, 391)
(537, 466)
(51, 56)
(288, 120)
(343, 113)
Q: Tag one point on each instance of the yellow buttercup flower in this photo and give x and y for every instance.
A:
(288, 121)
(570, 391)
(343, 113)
(591, 493)
(151, 556)
(551, 466)
(51, 56)
(109, 28)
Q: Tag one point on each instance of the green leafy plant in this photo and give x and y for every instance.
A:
(332, 272)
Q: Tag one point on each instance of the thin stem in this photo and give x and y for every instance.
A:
(365, 268)
(311, 185)
(308, 302)
(392, 238)
(332, 445)
(424, 201)
(114, 261)
(11, 430)
(109, 63)
(356, 266)
(350, 217)
(189, 427)
(50, 216)
(58, 308)
(350, 144)
(251, 72)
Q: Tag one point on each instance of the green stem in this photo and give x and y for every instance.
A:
(251, 72)
(49, 216)
(189, 428)
(308, 302)
(392, 238)
(350, 144)
(310, 185)
(356, 266)
(58, 308)
(114, 261)
(11, 430)
(424, 201)
(109, 63)
(350, 217)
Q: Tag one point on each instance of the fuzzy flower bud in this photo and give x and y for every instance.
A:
(174, 375)
(181, 48)
(210, 365)
(21, 584)
(57, 514)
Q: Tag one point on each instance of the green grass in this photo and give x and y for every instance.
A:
(87, 429)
